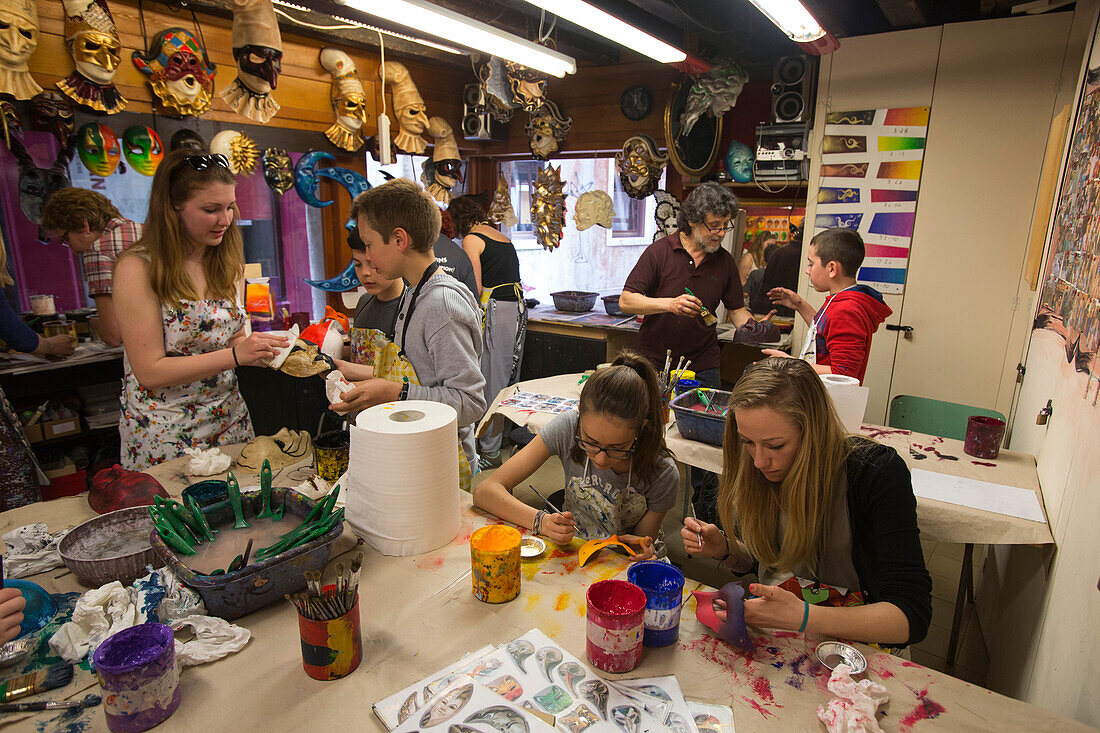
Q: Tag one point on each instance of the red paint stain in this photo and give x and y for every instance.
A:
(984, 463)
(758, 708)
(785, 634)
(912, 664)
(559, 553)
(926, 709)
(885, 674)
(570, 565)
(717, 651)
(562, 601)
(763, 690)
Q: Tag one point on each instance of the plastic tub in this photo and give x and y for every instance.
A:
(574, 301)
(239, 593)
(110, 547)
(611, 305)
(694, 424)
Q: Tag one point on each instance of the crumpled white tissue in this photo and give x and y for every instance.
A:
(31, 550)
(313, 488)
(98, 614)
(336, 385)
(207, 462)
(853, 708)
(214, 638)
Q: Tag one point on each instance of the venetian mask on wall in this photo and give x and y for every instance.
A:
(258, 49)
(739, 160)
(239, 149)
(9, 119)
(349, 101)
(98, 148)
(189, 139)
(498, 90)
(501, 210)
(179, 72)
(547, 130)
(715, 92)
(93, 41)
(408, 106)
(52, 112)
(666, 214)
(143, 149)
(278, 170)
(640, 164)
(548, 207)
(594, 207)
(444, 169)
(18, 39)
(528, 86)
(38, 184)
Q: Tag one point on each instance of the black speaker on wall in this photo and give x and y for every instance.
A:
(794, 81)
(477, 123)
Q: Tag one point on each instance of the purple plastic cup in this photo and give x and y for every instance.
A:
(983, 436)
(140, 678)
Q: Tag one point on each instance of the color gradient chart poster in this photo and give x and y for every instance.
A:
(870, 177)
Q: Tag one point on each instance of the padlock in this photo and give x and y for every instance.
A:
(1045, 413)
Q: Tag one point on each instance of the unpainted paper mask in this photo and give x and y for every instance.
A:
(143, 148)
(278, 170)
(18, 40)
(594, 207)
(179, 73)
(409, 108)
(98, 148)
(52, 112)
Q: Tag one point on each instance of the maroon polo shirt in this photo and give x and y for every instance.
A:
(663, 271)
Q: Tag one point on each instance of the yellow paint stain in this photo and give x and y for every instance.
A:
(533, 601)
(562, 601)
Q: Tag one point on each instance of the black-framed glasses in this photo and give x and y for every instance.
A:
(210, 160)
(719, 229)
(615, 454)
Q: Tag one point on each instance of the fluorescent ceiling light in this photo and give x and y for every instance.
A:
(608, 26)
(791, 17)
(424, 17)
(354, 23)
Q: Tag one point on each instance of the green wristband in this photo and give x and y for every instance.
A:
(805, 616)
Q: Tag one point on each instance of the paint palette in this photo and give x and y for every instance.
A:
(531, 547)
(833, 653)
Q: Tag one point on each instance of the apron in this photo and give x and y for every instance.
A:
(390, 363)
(809, 349)
(521, 326)
(597, 515)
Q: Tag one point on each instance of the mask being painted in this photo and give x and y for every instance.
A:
(98, 148)
(640, 165)
(594, 207)
(18, 39)
(52, 112)
(444, 169)
(349, 101)
(278, 170)
(666, 213)
(548, 208)
(715, 92)
(258, 49)
(408, 106)
(143, 149)
(179, 72)
(739, 160)
(92, 40)
(547, 130)
(239, 149)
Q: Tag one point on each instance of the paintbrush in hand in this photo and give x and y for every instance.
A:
(545, 500)
(50, 678)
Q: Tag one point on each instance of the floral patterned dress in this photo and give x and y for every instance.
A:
(158, 424)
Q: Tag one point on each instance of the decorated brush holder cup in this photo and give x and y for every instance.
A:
(494, 560)
(140, 677)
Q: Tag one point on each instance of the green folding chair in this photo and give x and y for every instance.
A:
(934, 417)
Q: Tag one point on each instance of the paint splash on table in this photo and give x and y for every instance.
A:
(926, 709)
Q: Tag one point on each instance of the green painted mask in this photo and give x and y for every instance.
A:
(143, 149)
(98, 147)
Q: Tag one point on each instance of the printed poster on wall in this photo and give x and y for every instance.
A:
(870, 177)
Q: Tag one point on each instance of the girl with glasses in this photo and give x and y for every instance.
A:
(619, 476)
(178, 293)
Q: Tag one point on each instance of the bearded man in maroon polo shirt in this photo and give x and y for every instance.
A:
(690, 259)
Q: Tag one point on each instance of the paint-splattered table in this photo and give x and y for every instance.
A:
(416, 619)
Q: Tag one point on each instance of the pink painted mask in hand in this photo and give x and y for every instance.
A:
(733, 628)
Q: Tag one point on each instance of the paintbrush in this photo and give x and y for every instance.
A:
(452, 584)
(708, 318)
(545, 500)
(699, 535)
(38, 705)
(50, 678)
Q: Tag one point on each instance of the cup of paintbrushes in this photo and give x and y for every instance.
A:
(328, 623)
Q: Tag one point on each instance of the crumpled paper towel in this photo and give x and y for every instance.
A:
(853, 708)
(31, 550)
(336, 385)
(313, 488)
(208, 462)
(158, 596)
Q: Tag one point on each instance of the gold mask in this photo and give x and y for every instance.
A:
(97, 55)
(352, 111)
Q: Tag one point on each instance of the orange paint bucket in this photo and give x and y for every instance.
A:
(494, 560)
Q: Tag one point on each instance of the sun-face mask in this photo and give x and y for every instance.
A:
(98, 148)
(18, 40)
(143, 148)
(239, 149)
(92, 39)
(349, 101)
(258, 49)
(408, 106)
(179, 72)
(278, 170)
(52, 112)
(639, 166)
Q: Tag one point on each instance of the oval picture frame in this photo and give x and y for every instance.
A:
(694, 154)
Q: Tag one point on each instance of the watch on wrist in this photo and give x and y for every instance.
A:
(725, 556)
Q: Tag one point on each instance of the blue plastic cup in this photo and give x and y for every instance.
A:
(663, 585)
(684, 385)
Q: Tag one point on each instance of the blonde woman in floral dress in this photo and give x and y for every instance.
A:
(184, 329)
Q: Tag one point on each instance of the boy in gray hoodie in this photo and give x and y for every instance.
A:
(438, 326)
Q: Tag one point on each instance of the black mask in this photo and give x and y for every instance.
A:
(187, 139)
(278, 171)
(260, 61)
(36, 185)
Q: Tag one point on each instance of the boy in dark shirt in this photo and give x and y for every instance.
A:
(376, 309)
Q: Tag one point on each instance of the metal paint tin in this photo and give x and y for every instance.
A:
(616, 620)
(331, 649)
(494, 560)
(330, 454)
(663, 585)
(833, 653)
(140, 678)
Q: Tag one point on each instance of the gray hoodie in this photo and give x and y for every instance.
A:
(444, 347)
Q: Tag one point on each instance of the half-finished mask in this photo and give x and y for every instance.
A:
(408, 107)
(179, 72)
(501, 210)
(640, 165)
(18, 39)
(143, 149)
(666, 214)
(349, 101)
(92, 39)
(715, 92)
(594, 207)
(98, 148)
(258, 49)
(278, 170)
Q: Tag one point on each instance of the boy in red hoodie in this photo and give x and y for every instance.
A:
(839, 339)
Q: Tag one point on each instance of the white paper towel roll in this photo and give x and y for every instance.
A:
(849, 399)
(403, 477)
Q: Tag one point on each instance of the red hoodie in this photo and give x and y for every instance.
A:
(845, 325)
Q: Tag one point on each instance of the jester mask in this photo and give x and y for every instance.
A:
(179, 72)
(98, 148)
(52, 112)
(349, 101)
(258, 50)
(278, 170)
(408, 106)
(18, 39)
(640, 164)
(143, 149)
(92, 39)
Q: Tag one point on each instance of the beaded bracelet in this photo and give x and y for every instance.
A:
(536, 526)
